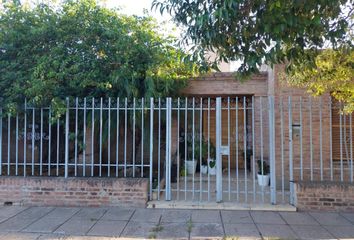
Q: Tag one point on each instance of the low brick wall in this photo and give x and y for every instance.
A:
(328, 196)
(58, 191)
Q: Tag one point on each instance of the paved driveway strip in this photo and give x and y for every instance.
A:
(39, 223)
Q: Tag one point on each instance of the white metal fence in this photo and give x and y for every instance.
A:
(191, 149)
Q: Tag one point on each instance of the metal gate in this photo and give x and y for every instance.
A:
(212, 151)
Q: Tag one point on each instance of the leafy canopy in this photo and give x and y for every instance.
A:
(259, 31)
(271, 32)
(333, 72)
(81, 49)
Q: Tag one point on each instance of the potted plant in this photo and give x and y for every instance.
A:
(183, 172)
(190, 159)
(211, 160)
(208, 157)
(191, 166)
(212, 166)
(194, 157)
(204, 167)
(263, 173)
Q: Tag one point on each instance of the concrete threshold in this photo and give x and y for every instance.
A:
(221, 206)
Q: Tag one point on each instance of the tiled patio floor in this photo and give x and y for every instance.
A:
(138, 223)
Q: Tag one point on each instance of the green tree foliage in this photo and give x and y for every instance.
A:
(271, 32)
(80, 49)
(333, 72)
(259, 31)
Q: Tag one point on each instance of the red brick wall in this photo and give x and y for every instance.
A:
(328, 196)
(57, 191)
(225, 83)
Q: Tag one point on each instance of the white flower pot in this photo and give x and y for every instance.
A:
(204, 169)
(211, 170)
(191, 166)
(263, 180)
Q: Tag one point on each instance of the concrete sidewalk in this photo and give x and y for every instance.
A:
(123, 223)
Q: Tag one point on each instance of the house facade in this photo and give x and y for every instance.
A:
(205, 147)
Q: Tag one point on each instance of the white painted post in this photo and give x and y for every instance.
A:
(168, 149)
(67, 138)
(291, 150)
(151, 142)
(218, 151)
(273, 193)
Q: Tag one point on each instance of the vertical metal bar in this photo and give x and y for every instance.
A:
(200, 148)
(24, 136)
(228, 145)
(351, 145)
(151, 142)
(321, 158)
(8, 143)
(117, 141)
(253, 151)
(58, 146)
(142, 137)
(76, 131)
(261, 136)
(16, 158)
(271, 123)
(49, 140)
(178, 153)
(169, 146)
(84, 142)
(282, 148)
(245, 147)
(117, 137)
(341, 142)
(291, 150)
(125, 136)
(218, 159)
(24, 140)
(301, 145)
(237, 146)
(330, 138)
(93, 137)
(167, 162)
(67, 139)
(133, 137)
(193, 142)
(168, 150)
(100, 156)
(273, 189)
(208, 160)
(185, 147)
(159, 152)
(41, 146)
(311, 144)
(33, 139)
(109, 139)
(345, 139)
